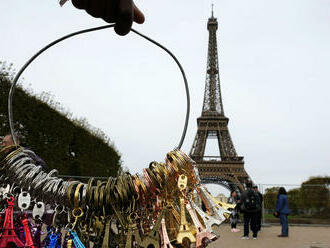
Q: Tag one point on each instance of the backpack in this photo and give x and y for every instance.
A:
(251, 201)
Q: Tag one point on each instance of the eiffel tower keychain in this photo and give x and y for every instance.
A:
(9, 236)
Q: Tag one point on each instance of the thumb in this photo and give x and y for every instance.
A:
(138, 15)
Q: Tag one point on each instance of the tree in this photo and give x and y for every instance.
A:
(316, 196)
(270, 198)
(295, 201)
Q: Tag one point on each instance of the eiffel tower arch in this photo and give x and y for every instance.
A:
(227, 168)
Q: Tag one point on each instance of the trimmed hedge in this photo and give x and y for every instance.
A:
(64, 144)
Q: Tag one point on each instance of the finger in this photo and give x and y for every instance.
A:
(109, 11)
(95, 7)
(138, 15)
(80, 4)
(125, 17)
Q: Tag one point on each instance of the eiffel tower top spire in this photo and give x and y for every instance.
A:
(212, 105)
(212, 9)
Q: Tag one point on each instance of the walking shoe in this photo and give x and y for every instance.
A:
(236, 230)
(282, 236)
(232, 230)
(254, 237)
(245, 237)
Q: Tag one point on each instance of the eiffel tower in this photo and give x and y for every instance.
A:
(226, 169)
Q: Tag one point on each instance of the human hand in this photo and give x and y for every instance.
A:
(120, 12)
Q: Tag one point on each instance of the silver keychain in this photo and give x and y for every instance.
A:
(24, 200)
(38, 210)
(4, 189)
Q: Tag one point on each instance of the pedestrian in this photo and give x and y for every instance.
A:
(259, 213)
(8, 144)
(250, 205)
(234, 217)
(282, 210)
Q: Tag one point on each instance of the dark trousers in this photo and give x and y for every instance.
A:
(250, 219)
(259, 216)
(233, 225)
(285, 224)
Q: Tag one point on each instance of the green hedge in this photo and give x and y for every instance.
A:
(62, 143)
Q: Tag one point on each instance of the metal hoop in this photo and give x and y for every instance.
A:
(12, 89)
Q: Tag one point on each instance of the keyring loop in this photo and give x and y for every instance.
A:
(12, 88)
(77, 212)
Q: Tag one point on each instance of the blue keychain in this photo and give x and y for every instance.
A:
(76, 241)
(53, 239)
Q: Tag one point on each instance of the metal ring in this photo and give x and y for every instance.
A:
(19, 73)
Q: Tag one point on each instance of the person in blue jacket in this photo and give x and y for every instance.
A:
(282, 210)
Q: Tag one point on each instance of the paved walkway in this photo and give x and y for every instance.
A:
(300, 237)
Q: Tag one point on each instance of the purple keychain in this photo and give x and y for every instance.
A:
(36, 232)
(19, 230)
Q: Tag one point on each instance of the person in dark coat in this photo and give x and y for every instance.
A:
(259, 213)
(282, 210)
(250, 205)
(234, 217)
(8, 141)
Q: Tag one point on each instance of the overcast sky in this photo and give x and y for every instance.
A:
(274, 67)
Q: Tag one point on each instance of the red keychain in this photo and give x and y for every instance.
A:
(29, 240)
(9, 236)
